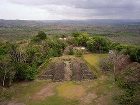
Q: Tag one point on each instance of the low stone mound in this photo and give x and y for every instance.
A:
(67, 69)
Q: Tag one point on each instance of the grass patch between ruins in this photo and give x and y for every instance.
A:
(71, 90)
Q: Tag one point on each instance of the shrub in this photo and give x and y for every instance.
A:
(56, 47)
(135, 54)
(80, 39)
(129, 81)
(25, 72)
(78, 53)
(31, 73)
(132, 51)
(7, 72)
(106, 65)
(69, 50)
(98, 44)
(76, 34)
(41, 36)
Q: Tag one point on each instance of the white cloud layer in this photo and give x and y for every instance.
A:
(69, 9)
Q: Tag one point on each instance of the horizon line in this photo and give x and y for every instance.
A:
(66, 19)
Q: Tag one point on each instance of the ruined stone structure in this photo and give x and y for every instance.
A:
(67, 69)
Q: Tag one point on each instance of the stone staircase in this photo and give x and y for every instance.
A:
(86, 74)
(81, 71)
(58, 74)
(55, 72)
(67, 70)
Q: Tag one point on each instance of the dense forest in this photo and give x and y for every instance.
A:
(122, 31)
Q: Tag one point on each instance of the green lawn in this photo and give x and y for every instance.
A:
(21, 91)
(54, 100)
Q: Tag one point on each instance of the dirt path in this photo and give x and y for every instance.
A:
(46, 91)
(87, 99)
(68, 72)
(14, 103)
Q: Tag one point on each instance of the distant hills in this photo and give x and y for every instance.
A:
(41, 23)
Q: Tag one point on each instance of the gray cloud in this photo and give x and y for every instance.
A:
(86, 4)
(86, 8)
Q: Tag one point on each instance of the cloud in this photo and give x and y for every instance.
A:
(76, 9)
(86, 4)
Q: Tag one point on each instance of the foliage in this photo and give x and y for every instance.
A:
(98, 44)
(114, 63)
(7, 71)
(35, 55)
(71, 52)
(14, 65)
(76, 34)
(132, 51)
(31, 54)
(80, 39)
(41, 36)
(68, 50)
(56, 47)
(129, 80)
(93, 44)
(78, 53)
(135, 54)
(25, 72)
(106, 64)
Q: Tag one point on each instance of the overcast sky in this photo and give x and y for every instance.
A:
(69, 9)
